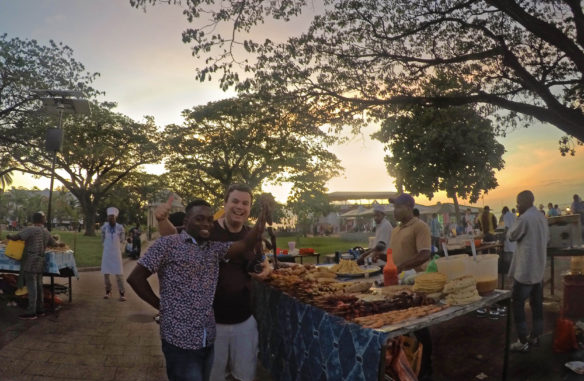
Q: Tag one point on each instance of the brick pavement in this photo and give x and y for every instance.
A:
(89, 339)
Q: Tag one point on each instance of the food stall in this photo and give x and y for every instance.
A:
(314, 327)
(59, 262)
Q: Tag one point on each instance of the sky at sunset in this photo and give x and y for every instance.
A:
(148, 70)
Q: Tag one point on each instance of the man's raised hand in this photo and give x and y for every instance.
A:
(162, 211)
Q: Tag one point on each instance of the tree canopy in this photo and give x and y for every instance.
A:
(522, 58)
(26, 65)
(244, 139)
(452, 150)
(100, 149)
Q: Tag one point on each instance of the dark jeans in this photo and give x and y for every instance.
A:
(519, 295)
(34, 284)
(187, 364)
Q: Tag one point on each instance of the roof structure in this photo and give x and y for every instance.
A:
(439, 208)
(346, 196)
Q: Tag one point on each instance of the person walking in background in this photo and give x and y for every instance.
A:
(531, 233)
(577, 207)
(552, 212)
(488, 223)
(136, 235)
(508, 247)
(112, 238)
(187, 265)
(468, 222)
(435, 232)
(36, 239)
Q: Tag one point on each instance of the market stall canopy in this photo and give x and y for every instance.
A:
(346, 196)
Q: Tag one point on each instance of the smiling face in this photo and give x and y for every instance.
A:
(237, 208)
(198, 222)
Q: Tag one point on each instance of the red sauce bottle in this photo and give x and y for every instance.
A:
(390, 270)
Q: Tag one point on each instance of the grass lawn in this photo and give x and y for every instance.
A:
(88, 249)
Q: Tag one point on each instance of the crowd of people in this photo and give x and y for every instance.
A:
(211, 333)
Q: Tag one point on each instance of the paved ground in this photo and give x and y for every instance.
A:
(97, 339)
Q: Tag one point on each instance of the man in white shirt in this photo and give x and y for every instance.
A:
(531, 233)
(382, 236)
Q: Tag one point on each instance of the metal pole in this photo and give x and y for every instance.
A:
(49, 217)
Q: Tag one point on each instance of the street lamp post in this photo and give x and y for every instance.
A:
(59, 102)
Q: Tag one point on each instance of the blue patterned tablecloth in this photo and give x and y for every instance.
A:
(54, 262)
(302, 342)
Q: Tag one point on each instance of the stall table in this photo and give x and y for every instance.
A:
(561, 252)
(57, 264)
(298, 341)
(283, 257)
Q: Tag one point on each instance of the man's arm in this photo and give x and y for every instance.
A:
(165, 227)
(138, 279)
(517, 231)
(420, 259)
(239, 248)
(161, 213)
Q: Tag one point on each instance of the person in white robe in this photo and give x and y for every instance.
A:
(112, 238)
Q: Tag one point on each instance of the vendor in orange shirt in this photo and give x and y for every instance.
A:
(411, 239)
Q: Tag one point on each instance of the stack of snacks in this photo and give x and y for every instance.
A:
(461, 291)
(429, 283)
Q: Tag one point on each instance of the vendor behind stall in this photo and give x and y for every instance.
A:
(410, 245)
(410, 240)
(383, 231)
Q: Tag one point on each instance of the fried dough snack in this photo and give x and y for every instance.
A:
(393, 317)
(429, 282)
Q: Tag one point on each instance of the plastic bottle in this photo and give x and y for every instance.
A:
(390, 270)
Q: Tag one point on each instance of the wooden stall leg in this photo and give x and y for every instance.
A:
(52, 293)
(70, 291)
(507, 331)
(553, 275)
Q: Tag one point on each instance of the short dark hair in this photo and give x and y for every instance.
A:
(38, 217)
(196, 202)
(177, 218)
(237, 187)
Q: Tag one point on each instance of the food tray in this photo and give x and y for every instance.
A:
(367, 270)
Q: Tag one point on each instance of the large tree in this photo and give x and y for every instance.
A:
(245, 139)
(26, 65)
(452, 150)
(525, 57)
(99, 151)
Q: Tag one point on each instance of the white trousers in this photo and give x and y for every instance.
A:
(236, 348)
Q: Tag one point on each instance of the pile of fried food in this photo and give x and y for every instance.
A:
(59, 249)
(461, 291)
(346, 266)
(394, 317)
(317, 286)
(429, 283)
